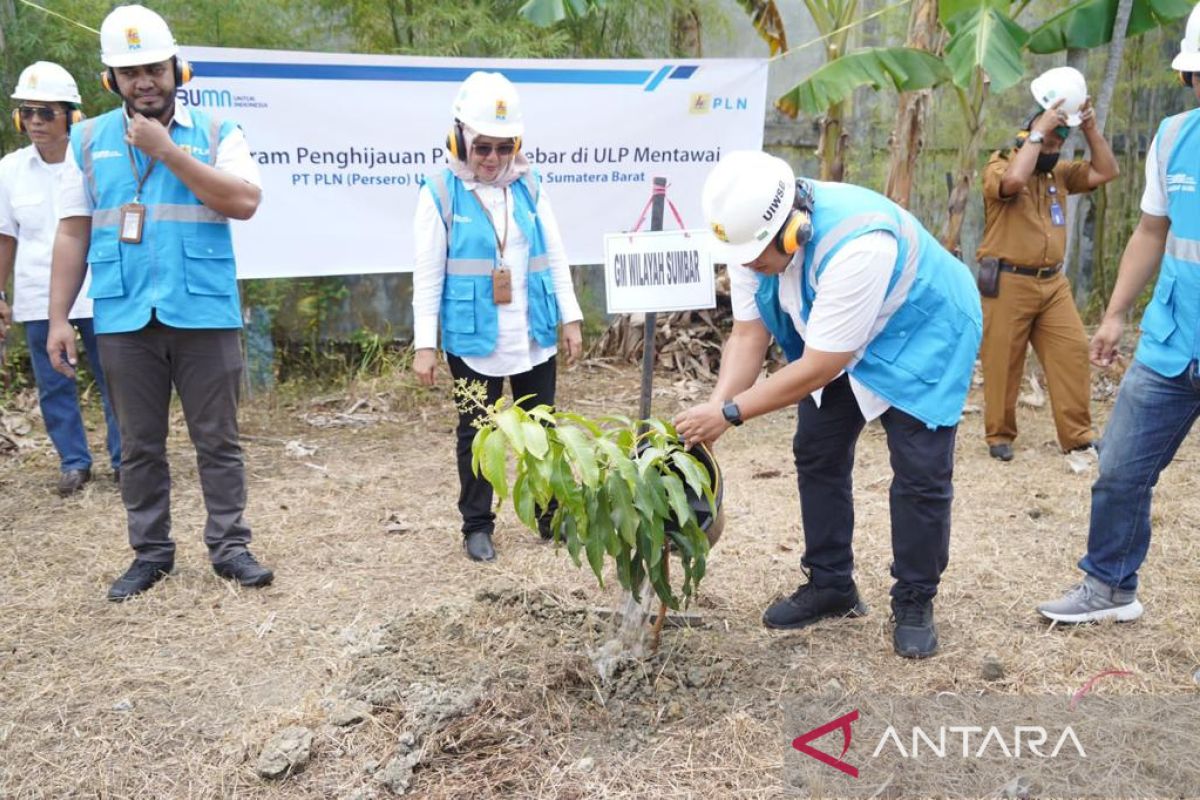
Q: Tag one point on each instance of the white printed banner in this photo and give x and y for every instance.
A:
(343, 142)
(658, 271)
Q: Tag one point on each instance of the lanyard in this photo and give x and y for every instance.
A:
(500, 241)
(141, 179)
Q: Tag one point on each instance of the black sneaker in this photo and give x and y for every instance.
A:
(915, 635)
(140, 576)
(478, 546)
(811, 603)
(245, 569)
(1001, 452)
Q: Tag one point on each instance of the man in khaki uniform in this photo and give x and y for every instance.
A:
(1028, 299)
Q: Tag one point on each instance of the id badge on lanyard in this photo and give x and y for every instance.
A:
(133, 215)
(1057, 217)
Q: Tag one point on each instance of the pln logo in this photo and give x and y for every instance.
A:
(501, 111)
(205, 98)
(704, 103)
(133, 39)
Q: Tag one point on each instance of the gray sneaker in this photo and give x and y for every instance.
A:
(1092, 601)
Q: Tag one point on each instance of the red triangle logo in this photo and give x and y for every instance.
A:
(842, 723)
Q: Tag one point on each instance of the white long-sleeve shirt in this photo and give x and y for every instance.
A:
(845, 314)
(515, 351)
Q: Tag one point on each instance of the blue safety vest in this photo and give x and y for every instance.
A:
(922, 360)
(183, 269)
(1170, 339)
(470, 321)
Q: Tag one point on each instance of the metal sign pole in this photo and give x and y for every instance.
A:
(657, 205)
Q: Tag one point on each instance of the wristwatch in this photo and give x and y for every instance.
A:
(732, 413)
(1036, 137)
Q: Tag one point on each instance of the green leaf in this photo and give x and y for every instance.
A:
(950, 11)
(1090, 23)
(535, 439)
(905, 69)
(494, 463)
(509, 421)
(477, 448)
(581, 454)
(523, 501)
(986, 39)
(581, 421)
(695, 474)
(678, 497)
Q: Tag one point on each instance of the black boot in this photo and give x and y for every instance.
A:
(811, 603)
(245, 569)
(478, 545)
(140, 576)
(915, 635)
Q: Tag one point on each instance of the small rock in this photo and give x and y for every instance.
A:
(287, 752)
(407, 740)
(992, 669)
(1018, 788)
(348, 713)
(1196, 676)
(1034, 513)
(833, 688)
(585, 765)
(123, 705)
(398, 772)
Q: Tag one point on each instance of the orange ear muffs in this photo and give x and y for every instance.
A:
(108, 79)
(795, 233)
(183, 71)
(74, 116)
(516, 145)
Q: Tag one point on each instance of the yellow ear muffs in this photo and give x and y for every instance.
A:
(456, 145)
(16, 118)
(74, 118)
(516, 145)
(108, 79)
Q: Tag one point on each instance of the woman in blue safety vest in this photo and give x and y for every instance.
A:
(490, 265)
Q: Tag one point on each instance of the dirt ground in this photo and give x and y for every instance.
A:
(416, 669)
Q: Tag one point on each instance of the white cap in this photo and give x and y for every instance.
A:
(47, 81)
(133, 35)
(1061, 83)
(746, 200)
(488, 103)
(1188, 59)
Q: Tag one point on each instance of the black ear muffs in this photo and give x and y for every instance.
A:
(797, 229)
(1185, 78)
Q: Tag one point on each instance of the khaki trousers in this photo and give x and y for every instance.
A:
(1041, 312)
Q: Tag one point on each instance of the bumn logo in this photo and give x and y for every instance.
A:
(843, 724)
(206, 98)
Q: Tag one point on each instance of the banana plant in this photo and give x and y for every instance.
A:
(1089, 24)
(545, 13)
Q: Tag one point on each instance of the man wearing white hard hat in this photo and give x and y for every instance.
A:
(878, 321)
(491, 267)
(1159, 398)
(1026, 296)
(146, 195)
(48, 105)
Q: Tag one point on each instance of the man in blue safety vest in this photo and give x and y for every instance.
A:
(145, 198)
(1159, 399)
(878, 321)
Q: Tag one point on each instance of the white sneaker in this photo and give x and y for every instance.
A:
(1083, 460)
(1092, 601)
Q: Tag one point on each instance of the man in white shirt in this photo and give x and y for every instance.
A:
(878, 321)
(48, 102)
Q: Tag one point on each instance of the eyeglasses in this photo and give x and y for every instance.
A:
(484, 150)
(44, 113)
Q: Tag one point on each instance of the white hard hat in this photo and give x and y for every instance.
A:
(746, 200)
(1188, 59)
(133, 35)
(47, 81)
(488, 103)
(1059, 83)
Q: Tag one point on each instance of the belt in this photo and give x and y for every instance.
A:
(1032, 272)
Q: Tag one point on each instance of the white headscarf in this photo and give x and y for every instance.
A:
(517, 165)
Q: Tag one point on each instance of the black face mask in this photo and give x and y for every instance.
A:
(1046, 162)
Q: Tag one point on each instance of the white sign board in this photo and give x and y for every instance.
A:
(343, 142)
(659, 271)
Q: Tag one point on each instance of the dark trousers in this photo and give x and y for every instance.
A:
(475, 493)
(205, 367)
(921, 492)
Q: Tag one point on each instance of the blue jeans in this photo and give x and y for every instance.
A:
(60, 402)
(1151, 418)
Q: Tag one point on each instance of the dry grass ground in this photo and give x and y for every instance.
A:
(173, 695)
